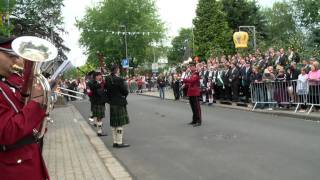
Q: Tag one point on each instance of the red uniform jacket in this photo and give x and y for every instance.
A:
(17, 121)
(193, 84)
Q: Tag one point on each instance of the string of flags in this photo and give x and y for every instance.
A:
(126, 32)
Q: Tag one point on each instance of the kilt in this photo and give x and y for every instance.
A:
(118, 116)
(98, 110)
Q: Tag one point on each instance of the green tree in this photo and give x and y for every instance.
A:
(308, 12)
(244, 13)
(5, 10)
(40, 18)
(181, 46)
(104, 26)
(282, 29)
(211, 30)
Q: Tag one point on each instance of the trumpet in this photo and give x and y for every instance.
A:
(35, 51)
(65, 94)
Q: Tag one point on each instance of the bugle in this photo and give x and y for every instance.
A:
(35, 51)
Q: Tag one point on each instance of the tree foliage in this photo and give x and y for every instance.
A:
(181, 46)
(244, 13)
(281, 25)
(308, 12)
(6, 7)
(104, 26)
(40, 18)
(211, 30)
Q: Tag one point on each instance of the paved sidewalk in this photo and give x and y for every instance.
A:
(289, 113)
(72, 151)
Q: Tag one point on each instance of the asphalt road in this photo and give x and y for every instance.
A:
(230, 145)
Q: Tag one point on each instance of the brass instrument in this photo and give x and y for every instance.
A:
(35, 51)
(64, 94)
(17, 69)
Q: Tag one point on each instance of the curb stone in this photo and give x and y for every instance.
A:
(117, 171)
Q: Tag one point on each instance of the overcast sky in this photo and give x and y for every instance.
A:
(175, 14)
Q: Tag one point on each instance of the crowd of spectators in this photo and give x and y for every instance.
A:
(233, 78)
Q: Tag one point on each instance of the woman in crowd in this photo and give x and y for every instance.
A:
(280, 93)
(314, 83)
(268, 77)
(161, 85)
(302, 89)
(256, 77)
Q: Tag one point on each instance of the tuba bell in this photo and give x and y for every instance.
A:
(35, 51)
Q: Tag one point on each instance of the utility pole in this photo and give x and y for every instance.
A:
(192, 41)
(8, 9)
(125, 39)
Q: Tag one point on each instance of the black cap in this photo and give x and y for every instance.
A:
(5, 45)
(192, 63)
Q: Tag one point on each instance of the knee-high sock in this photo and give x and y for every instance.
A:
(204, 97)
(114, 135)
(99, 127)
(210, 99)
(119, 134)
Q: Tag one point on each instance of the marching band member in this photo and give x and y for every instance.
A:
(210, 90)
(185, 74)
(90, 80)
(20, 154)
(117, 92)
(203, 83)
(98, 101)
(193, 83)
(176, 86)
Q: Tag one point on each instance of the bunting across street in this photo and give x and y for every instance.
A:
(123, 32)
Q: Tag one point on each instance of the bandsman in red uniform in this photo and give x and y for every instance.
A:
(193, 83)
(20, 155)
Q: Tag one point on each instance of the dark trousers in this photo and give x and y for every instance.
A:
(235, 91)
(218, 92)
(196, 110)
(246, 92)
(227, 93)
(176, 91)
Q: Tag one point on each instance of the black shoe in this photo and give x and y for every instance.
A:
(192, 123)
(115, 145)
(197, 124)
(122, 145)
(100, 134)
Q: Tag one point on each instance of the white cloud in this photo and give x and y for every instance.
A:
(175, 13)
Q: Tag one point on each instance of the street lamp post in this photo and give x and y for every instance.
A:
(125, 39)
(253, 28)
(8, 6)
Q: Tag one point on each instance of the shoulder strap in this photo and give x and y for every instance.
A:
(9, 100)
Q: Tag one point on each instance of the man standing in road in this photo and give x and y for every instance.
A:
(193, 83)
(117, 92)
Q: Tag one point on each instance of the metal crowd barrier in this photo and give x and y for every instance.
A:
(286, 93)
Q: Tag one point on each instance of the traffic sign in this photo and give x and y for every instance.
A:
(125, 63)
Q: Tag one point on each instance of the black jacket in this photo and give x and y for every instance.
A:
(117, 90)
(98, 93)
(246, 80)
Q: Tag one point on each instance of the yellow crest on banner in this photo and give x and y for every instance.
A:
(240, 39)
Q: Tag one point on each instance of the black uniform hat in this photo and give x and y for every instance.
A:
(192, 63)
(5, 45)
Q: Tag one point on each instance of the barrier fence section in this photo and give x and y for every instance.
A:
(280, 93)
